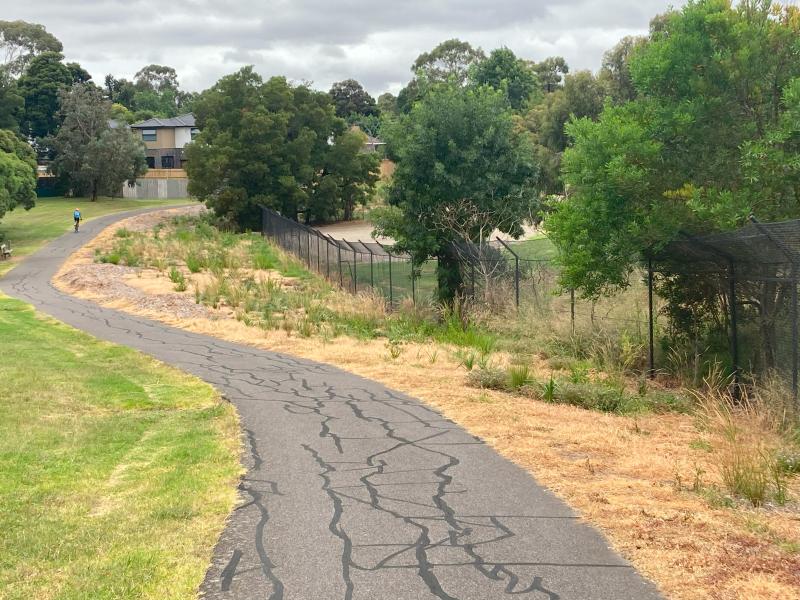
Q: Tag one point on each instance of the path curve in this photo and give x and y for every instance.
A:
(354, 491)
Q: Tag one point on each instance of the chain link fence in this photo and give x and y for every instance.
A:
(730, 298)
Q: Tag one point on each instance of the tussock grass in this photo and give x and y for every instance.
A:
(752, 436)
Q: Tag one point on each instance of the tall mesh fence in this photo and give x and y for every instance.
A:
(744, 286)
(729, 297)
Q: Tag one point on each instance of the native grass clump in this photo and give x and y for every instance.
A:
(252, 280)
(753, 440)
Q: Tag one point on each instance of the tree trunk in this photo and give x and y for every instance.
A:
(448, 274)
(94, 191)
(348, 210)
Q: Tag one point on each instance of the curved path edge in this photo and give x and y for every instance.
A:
(353, 490)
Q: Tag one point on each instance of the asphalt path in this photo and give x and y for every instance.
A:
(352, 490)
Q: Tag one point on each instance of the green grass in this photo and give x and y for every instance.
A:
(116, 472)
(537, 248)
(27, 231)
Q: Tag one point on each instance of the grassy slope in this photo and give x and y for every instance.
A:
(117, 472)
(27, 231)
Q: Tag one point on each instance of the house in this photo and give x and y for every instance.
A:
(373, 145)
(165, 140)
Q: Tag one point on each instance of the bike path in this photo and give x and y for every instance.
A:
(355, 491)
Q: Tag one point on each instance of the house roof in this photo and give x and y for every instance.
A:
(186, 120)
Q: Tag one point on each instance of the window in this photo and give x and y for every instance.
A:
(195, 131)
(151, 162)
(167, 162)
(149, 135)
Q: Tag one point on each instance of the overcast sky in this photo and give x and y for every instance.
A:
(323, 41)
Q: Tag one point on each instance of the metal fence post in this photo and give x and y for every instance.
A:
(389, 254)
(355, 260)
(652, 369)
(328, 259)
(371, 265)
(734, 326)
(516, 271)
(391, 293)
(341, 277)
(572, 309)
(413, 284)
(795, 340)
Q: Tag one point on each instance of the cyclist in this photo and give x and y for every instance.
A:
(77, 216)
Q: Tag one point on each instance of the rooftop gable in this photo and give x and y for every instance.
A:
(186, 120)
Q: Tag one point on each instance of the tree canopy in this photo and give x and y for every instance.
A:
(710, 138)
(581, 96)
(271, 143)
(451, 59)
(350, 98)
(615, 73)
(504, 71)
(458, 151)
(551, 72)
(21, 41)
(39, 87)
(90, 156)
(17, 173)
(154, 92)
(11, 102)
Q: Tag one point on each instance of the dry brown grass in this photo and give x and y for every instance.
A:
(636, 478)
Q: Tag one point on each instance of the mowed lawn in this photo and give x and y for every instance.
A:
(116, 472)
(27, 231)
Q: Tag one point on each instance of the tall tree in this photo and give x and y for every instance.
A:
(156, 77)
(458, 151)
(551, 72)
(451, 59)
(91, 156)
(269, 143)
(615, 73)
(39, 86)
(387, 104)
(504, 71)
(17, 173)
(350, 98)
(348, 179)
(21, 41)
(581, 96)
(715, 85)
(408, 96)
(11, 103)
(120, 91)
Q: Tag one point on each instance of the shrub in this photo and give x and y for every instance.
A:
(590, 396)
(195, 262)
(489, 378)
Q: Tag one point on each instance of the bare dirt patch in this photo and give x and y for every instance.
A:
(636, 478)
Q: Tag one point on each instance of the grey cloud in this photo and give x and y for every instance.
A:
(324, 40)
